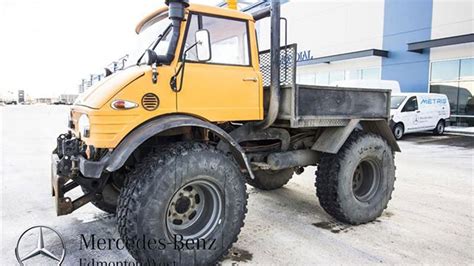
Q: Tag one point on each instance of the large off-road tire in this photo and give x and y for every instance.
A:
(107, 199)
(439, 129)
(355, 185)
(188, 190)
(270, 180)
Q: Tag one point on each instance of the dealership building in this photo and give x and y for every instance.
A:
(425, 45)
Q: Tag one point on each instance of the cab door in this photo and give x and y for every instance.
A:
(227, 87)
(409, 115)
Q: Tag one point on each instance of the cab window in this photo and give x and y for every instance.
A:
(229, 39)
(411, 105)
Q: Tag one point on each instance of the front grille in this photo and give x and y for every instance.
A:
(150, 101)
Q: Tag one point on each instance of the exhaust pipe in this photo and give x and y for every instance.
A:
(176, 15)
(290, 159)
(275, 67)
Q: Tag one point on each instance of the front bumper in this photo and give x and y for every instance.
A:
(60, 186)
(70, 169)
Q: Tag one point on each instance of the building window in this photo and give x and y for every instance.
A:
(467, 69)
(322, 78)
(455, 78)
(445, 71)
(306, 79)
(327, 78)
(364, 74)
(354, 74)
(371, 74)
(336, 76)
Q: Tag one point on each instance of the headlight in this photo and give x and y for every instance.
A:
(84, 126)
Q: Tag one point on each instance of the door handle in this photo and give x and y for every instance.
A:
(417, 111)
(250, 79)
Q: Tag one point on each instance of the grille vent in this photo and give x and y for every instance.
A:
(150, 101)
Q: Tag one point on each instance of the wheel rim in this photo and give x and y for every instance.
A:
(398, 132)
(195, 210)
(366, 180)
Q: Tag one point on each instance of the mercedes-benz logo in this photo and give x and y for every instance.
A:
(41, 250)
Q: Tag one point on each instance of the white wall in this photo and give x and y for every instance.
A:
(329, 27)
(451, 18)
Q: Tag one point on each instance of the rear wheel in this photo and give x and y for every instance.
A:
(355, 185)
(398, 131)
(439, 129)
(270, 180)
(185, 193)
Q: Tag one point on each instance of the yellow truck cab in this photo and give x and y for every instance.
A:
(238, 99)
(168, 142)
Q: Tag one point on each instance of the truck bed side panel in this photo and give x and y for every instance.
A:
(346, 103)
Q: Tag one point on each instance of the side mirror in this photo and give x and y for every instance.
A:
(150, 57)
(203, 45)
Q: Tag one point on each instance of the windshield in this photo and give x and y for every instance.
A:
(397, 101)
(151, 32)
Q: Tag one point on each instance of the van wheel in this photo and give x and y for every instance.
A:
(190, 198)
(398, 131)
(270, 180)
(355, 185)
(439, 129)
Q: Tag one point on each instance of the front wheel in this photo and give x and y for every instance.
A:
(355, 185)
(398, 131)
(185, 193)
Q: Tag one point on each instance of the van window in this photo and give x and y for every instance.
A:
(411, 105)
(397, 101)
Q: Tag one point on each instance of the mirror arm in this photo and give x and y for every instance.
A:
(181, 71)
(154, 73)
(183, 65)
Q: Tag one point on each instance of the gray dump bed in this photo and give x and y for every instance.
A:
(321, 106)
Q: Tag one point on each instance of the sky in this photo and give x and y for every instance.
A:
(48, 46)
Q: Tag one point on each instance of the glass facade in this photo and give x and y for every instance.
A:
(455, 78)
(327, 78)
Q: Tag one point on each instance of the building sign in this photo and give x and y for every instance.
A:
(304, 56)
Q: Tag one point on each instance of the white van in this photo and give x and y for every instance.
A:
(414, 112)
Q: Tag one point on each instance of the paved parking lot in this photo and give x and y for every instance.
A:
(429, 220)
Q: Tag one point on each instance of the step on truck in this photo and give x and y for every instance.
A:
(169, 142)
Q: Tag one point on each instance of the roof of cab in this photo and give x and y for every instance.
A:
(214, 10)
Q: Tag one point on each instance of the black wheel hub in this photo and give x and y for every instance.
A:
(366, 180)
(182, 205)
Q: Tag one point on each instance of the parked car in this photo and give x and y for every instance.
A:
(415, 112)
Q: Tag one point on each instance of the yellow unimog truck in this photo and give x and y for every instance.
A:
(169, 142)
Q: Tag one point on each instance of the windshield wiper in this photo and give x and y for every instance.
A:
(154, 44)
